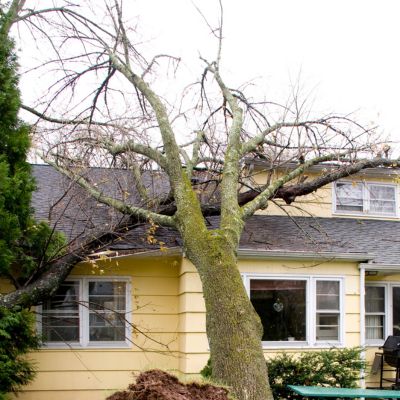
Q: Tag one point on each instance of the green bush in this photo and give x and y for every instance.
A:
(17, 337)
(334, 367)
(206, 372)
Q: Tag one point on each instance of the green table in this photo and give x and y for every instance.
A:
(319, 391)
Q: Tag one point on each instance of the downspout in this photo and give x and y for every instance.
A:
(362, 322)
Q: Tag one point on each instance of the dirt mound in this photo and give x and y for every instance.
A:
(159, 385)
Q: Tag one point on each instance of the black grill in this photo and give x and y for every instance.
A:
(390, 356)
(391, 350)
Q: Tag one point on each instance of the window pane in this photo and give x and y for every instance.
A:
(281, 305)
(382, 199)
(374, 312)
(60, 320)
(327, 295)
(396, 311)
(107, 307)
(107, 326)
(349, 196)
(327, 327)
(375, 299)
(381, 192)
(374, 326)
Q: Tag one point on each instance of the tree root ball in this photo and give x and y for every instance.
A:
(160, 385)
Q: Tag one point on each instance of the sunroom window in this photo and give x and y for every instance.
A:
(297, 310)
(374, 313)
(382, 311)
(365, 198)
(86, 311)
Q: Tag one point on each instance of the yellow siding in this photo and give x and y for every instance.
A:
(78, 394)
(317, 267)
(193, 341)
(317, 204)
(90, 373)
(168, 306)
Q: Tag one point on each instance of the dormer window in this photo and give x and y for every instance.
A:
(365, 198)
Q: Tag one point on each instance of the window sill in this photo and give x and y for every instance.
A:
(91, 346)
(374, 344)
(364, 215)
(299, 345)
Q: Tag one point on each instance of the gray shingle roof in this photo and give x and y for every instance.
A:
(68, 207)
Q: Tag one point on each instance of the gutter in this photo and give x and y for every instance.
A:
(370, 172)
(380, 267)
(115, 254)
(258, 255)
(304, 255)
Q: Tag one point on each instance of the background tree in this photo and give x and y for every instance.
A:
(18, 236)
(25, 246)
(124, 122)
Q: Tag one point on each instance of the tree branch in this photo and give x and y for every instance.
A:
(62, 121)
(11, 16)
(131, 146)
(46, 285)
(230, 211)
(126, 209)
(289, 193)
(261, 200)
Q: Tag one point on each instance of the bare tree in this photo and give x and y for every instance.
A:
(123, 122)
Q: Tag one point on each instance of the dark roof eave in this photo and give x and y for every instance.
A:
(371, 172)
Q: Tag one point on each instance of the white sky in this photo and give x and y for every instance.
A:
(344, 52)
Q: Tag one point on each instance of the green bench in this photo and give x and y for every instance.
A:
(319, 391)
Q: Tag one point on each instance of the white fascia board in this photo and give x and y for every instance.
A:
(168, 252)
(266, 254)
(296, 255)
(379, 267)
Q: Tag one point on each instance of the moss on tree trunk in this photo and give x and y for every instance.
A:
(234, 329)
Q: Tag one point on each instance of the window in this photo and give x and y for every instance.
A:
(374, 313)
(281, 305)
(85, 312)
(306, 310)
(382, 312)
(328, 310)
(365, 198)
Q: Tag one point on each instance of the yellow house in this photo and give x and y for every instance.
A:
(324, 272)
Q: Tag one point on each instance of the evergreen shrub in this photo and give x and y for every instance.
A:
(17, 337)
(330, 368)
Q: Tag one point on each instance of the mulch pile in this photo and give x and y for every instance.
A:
(159, 385)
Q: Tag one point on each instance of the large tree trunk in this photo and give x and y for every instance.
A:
(233, 327)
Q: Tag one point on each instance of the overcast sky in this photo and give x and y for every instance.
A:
(344, 54)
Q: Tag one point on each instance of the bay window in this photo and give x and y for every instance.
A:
(87, 311)
(306, 310)
(365, 198)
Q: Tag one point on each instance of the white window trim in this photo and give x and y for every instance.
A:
(311, 299)
(84, 316)
(388, 324)
(366, 200)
